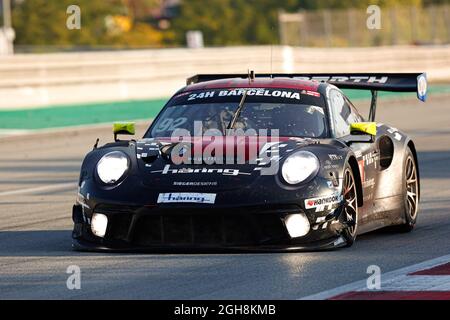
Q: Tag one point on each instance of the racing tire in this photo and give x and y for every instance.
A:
(410, 192)
(350, 209)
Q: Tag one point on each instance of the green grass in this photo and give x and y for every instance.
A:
(364, 94)
(75, 115)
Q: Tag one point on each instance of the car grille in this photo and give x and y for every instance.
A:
(194, 229)
(217, 228)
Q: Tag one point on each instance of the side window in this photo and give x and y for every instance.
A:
(355, 115)
(344, 113)
(341, 113)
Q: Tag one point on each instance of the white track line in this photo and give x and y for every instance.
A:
(7, 133)
(385, 277)
(40, 189)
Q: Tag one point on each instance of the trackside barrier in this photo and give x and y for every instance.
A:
(30, 80)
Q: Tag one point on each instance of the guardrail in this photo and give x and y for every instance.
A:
(399, 25)
(66, 78)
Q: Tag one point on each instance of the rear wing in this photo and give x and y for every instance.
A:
(395, 82)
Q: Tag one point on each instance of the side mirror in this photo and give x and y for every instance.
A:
(361, 132)
(126, 128)
(358, 128)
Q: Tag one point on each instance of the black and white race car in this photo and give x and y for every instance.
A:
(266, 162)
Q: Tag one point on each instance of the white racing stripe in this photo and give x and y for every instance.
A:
(386, 278)
(52, 187)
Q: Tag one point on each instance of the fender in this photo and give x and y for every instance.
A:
(388, 197)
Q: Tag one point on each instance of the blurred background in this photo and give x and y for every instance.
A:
(78, 62)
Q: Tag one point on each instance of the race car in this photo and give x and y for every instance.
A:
(277, 162)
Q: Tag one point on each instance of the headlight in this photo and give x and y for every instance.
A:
(112, 167)
(299, 167)
(297, 225)
(99, 223)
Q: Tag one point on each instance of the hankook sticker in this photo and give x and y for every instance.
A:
(322, 203)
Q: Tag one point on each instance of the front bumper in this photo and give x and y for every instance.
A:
(155, 229)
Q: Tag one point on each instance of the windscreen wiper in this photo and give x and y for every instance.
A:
(238, 111)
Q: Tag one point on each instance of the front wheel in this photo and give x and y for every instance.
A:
(350, 210)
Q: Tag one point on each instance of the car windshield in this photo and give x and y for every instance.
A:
(298, 115)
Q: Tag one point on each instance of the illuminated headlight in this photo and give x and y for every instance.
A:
(99, 223)
(112, 167)
(297, 225)
(299, 167)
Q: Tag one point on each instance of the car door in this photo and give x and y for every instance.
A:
(343, 114)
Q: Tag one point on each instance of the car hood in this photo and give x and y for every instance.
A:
(219, 164)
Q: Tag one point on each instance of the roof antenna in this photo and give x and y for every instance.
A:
(271, 57)
(96, 143)
(251, 76)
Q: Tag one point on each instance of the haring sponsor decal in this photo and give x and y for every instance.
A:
(207, 198)
(226, 172)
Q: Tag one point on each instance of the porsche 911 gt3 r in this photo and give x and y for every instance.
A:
(266, 162)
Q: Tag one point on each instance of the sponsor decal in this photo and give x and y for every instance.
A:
(334, 184)
(339, 241)
(371, 159)
(323, 203)
(207, 198)
(171, 124)
(335, 157)
(320, 219)
(397, 135)
(82, 201)
(354, 79)
(392, 130)
(368, 197)
(196, 183)
(369, 183)
(362, 170)
(277, 93)
(331, 167)
(201, 95)
(422, 87)
(311, 93)
(226, 172)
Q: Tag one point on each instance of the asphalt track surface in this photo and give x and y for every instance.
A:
(38, 175)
